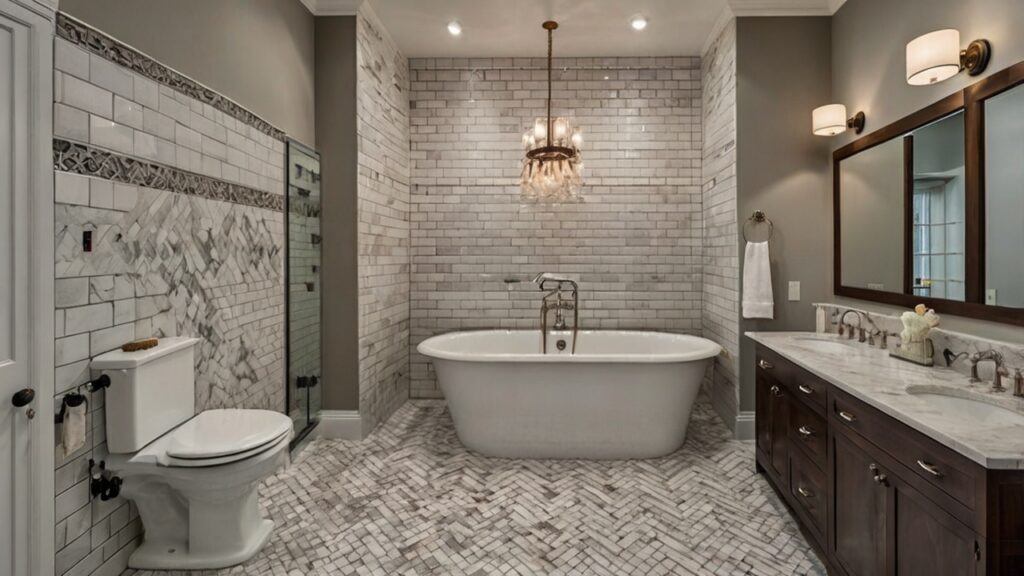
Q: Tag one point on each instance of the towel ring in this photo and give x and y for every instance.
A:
(758, 217)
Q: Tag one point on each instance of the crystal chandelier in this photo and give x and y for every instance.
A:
(553, 166)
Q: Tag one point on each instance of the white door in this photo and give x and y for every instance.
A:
(24, 197)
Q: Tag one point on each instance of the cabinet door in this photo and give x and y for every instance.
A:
(930, 541)
(861, 495)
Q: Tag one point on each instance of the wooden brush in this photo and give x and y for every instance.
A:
(137, 345)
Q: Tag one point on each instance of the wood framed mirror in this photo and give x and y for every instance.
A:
(930, 209)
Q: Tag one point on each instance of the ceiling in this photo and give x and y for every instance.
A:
(587, 27)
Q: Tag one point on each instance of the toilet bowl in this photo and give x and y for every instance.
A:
(193, 477)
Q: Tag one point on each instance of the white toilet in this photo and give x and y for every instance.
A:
(192, 476)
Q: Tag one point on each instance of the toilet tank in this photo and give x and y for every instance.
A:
(151, 392)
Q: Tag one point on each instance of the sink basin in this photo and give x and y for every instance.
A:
(981, 412)
(824, 346)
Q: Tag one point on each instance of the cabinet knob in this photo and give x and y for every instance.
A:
(776, 391)
(878, 477)
(765, 365)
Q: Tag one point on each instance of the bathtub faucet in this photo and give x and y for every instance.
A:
(555, 300)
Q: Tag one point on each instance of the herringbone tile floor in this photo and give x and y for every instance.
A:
(410, 500)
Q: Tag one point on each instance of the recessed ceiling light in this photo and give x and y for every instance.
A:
(454, 28)
(638, 23)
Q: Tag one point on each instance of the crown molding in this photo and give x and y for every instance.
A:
(333, 7)
(784, 7)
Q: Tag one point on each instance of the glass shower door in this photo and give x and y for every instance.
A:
(303, 282)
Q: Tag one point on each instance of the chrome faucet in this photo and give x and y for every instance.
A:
(1000, 371)
(860, 324)
(555, 300)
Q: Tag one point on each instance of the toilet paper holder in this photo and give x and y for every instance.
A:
(75, 399)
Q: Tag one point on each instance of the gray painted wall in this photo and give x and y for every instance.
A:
(783, 168)
(257, 52)
(869, 73)
(337, 144)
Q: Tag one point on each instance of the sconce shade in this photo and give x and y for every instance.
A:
(829, 120)
(933, 57)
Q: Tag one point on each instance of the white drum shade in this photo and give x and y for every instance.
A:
(829, 120)
(933, 57)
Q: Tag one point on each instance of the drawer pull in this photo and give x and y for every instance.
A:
(805, 431)
(765, 365)
(847, 416)
(776, 391)
(806, 389)
(804, 492)
(929, 468)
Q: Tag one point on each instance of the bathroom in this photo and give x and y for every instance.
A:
(304, 287)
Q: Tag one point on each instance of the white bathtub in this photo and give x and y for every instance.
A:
(622, 395)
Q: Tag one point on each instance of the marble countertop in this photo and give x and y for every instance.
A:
(897, 388)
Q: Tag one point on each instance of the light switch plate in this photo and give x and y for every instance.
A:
(794, 291)
(990, 296)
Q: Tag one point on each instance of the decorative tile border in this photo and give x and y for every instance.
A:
(121, 54)
(89, 161)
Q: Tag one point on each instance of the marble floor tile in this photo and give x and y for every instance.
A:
(411, 500)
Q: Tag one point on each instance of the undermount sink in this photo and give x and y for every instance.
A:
(825, 346)
(983, 413)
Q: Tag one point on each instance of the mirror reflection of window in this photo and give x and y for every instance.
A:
(1004, 199)
(939, 202)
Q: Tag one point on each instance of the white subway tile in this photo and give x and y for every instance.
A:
(109, 134)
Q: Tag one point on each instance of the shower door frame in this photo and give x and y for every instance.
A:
(312, 420)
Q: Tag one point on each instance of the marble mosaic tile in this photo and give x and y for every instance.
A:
(90, 161)
(411, 500)
(106, 48)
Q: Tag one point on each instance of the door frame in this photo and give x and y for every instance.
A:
(40, 18)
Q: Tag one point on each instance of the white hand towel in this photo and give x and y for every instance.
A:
(758, 301)
(73, 429)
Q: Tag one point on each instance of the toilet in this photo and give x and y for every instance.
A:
(192, 476)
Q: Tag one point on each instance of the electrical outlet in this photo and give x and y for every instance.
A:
(990, 296)
(794, 291)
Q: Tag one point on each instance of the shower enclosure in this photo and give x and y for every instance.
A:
(302, 278)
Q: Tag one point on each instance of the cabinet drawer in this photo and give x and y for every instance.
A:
(803, 385)
(807, 484)
(936, 464)
(809, 430)
(810, 388)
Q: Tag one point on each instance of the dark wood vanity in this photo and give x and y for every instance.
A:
(875, 496)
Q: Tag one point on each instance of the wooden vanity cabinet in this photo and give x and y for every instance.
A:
(874, 496)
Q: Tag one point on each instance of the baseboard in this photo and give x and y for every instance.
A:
(340, 425)
(744, 428)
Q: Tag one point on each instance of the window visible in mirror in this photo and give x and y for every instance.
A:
(1004, 199)
(939, 201)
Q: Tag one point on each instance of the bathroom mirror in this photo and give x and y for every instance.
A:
(1004, 198)
(302, 272)
(901, 207)
(930, 209)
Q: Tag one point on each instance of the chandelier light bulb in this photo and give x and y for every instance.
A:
(540, 129)
(577, 138)
(561, 129)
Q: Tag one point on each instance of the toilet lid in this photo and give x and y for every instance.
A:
(218, 433)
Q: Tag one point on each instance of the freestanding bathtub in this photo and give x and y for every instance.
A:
(621, 395)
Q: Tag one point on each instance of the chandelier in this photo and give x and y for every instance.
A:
(553, 166)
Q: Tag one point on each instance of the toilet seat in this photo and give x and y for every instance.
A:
(217, 437)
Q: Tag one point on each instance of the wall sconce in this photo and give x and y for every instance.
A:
(937, 56)
(831, 120)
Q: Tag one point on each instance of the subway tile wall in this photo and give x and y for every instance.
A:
(634, 242)
(163, 263)
(382, 125)
(720, 310)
